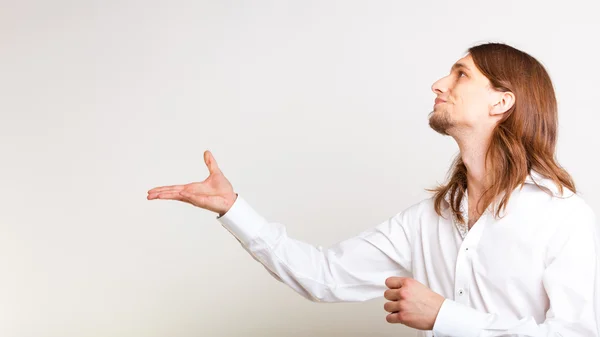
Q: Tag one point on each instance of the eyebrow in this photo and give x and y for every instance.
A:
(459, 65)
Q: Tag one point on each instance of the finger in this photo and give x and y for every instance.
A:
(198, 189)
(394, 282)
(167, 196)
(393, 318)
(392, 306)
(391, 294)
(166, 188)
(211, 163)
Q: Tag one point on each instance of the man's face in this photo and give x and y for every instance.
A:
(464, 99)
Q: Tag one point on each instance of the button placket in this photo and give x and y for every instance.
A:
(464, 263)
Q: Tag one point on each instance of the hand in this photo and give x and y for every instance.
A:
(413, 304)
(215, 193)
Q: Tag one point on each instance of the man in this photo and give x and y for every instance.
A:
(504, 248)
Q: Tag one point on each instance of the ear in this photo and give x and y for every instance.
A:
(504, 101)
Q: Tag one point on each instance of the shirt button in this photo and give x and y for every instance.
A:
(461, 292)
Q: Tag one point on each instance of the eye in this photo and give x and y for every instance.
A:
(461, 74)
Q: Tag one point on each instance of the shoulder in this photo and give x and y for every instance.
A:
(424, 208)
(557, 209)
(549, 196)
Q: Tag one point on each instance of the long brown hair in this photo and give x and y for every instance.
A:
(524, 140)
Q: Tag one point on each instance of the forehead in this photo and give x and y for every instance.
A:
(465, 62)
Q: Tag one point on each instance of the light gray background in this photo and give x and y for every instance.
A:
(315, 110)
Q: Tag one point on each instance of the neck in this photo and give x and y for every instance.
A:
(473, 148)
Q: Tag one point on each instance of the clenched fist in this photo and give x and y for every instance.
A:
(412, 303)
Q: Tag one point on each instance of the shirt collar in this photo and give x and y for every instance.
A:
(536, 178)
(533, 178)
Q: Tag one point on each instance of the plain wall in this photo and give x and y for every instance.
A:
(316, 111)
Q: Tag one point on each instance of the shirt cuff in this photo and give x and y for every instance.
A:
(242, 221)
(458, 320)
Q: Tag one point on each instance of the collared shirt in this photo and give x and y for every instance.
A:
(532, 272)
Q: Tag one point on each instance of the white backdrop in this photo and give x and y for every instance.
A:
(315, 110)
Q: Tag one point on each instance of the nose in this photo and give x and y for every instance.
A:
(440, 86)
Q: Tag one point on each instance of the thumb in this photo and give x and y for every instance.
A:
(211, 163)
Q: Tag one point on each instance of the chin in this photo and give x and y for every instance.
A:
(440, 122)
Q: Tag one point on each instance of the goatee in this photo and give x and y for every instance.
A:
(440, 122)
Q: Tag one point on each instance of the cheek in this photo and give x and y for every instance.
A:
(476, 109)
(469, 107)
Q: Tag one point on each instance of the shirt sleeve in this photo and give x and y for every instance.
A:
(571, 280)
(349, 271)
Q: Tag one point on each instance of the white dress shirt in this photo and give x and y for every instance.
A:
(533, 272)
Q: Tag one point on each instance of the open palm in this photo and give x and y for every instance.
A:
(215, 193)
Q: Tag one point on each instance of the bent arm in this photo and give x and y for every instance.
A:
(349, 271)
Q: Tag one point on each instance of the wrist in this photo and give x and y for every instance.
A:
(229, 202)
